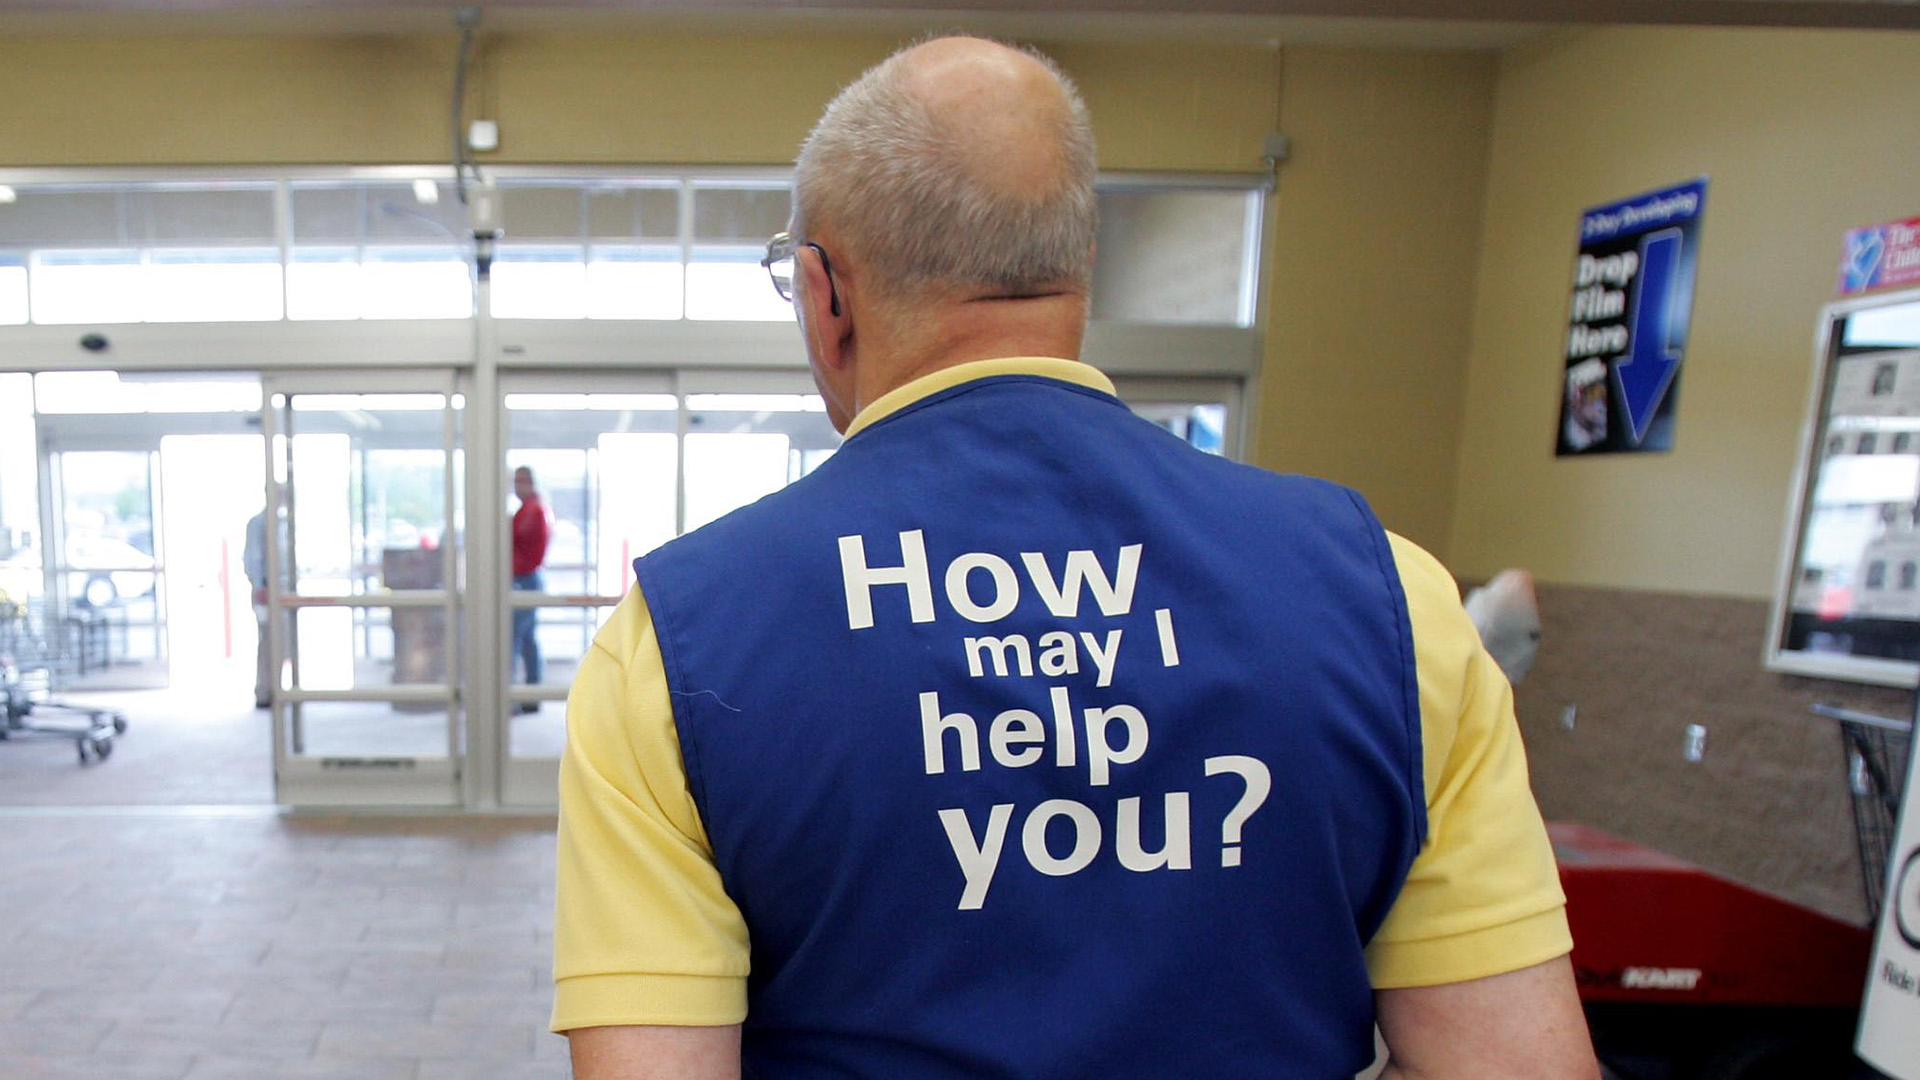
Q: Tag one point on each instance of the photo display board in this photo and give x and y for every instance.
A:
(1848, 605)
(1628, 315)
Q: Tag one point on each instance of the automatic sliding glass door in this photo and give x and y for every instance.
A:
(363, 583)
(107, 583)
(602, 461)
(622, 465)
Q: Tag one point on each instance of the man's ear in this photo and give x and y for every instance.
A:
(831, 331)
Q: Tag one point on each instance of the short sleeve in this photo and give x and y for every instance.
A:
(1483, 896)
(644, 932)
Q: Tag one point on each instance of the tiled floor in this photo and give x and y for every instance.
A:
(179, 749)
(176, 944)
(185, 749)
(159, 920)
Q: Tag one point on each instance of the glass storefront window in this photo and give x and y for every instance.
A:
(96, 286)
(739, 214)
(323, 283)
(372, 516)
(729, 283)
(725, 280)
(741, 447)
(13, 289)
(614, 282)
(586, 247)
(1177, 256)
(539, 283)
(635, 282)
(607, 465)
(113, 584)
(213, 285)
(378, 250)
(92, 392)
(415, 283)
(1202, 426)
(20, 577)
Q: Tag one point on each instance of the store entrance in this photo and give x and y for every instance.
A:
(210, 486)
(361, 537)
(144, 487)
(123, 506)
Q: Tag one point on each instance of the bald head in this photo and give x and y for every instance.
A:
(957, 167)
(1004, 110)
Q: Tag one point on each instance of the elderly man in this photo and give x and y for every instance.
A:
(1022, 739)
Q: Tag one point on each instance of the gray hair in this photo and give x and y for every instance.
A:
(916, 205)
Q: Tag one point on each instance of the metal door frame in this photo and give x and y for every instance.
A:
(54, 569)
(532, 781)
(300, 780)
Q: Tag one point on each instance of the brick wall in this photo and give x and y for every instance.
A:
(1767, 806)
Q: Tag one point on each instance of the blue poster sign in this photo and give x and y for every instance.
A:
(1627, 327)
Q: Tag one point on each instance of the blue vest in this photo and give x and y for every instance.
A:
(1033, 742)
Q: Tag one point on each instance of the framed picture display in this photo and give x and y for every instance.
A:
(1848, 602)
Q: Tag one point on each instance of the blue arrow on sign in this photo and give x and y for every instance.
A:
(1651, 362)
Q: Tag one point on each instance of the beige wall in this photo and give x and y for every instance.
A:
(210, 100)
(680, 98)
(1379, 219)
(1803, 134)
(740, 100)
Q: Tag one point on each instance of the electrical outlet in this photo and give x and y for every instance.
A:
(1695, 748)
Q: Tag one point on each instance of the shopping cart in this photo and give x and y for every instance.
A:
(28, 708)
(1876, 749)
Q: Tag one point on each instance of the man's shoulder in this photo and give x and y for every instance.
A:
(1419, 569)
(627, 631)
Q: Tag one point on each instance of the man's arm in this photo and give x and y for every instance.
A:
(650, 955)
(1523, 1025)
(1470, 969)
(656, 1053)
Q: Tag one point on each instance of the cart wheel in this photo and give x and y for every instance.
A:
(102, 747)
(81, 745)
(119, 724)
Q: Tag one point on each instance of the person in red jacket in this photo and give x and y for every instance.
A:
(530, 531)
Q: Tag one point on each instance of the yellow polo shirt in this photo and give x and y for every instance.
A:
(644, 932)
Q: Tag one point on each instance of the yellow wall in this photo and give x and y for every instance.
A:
(1804, 134)
(1373, 269)
(678, 98)
(68, 100)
